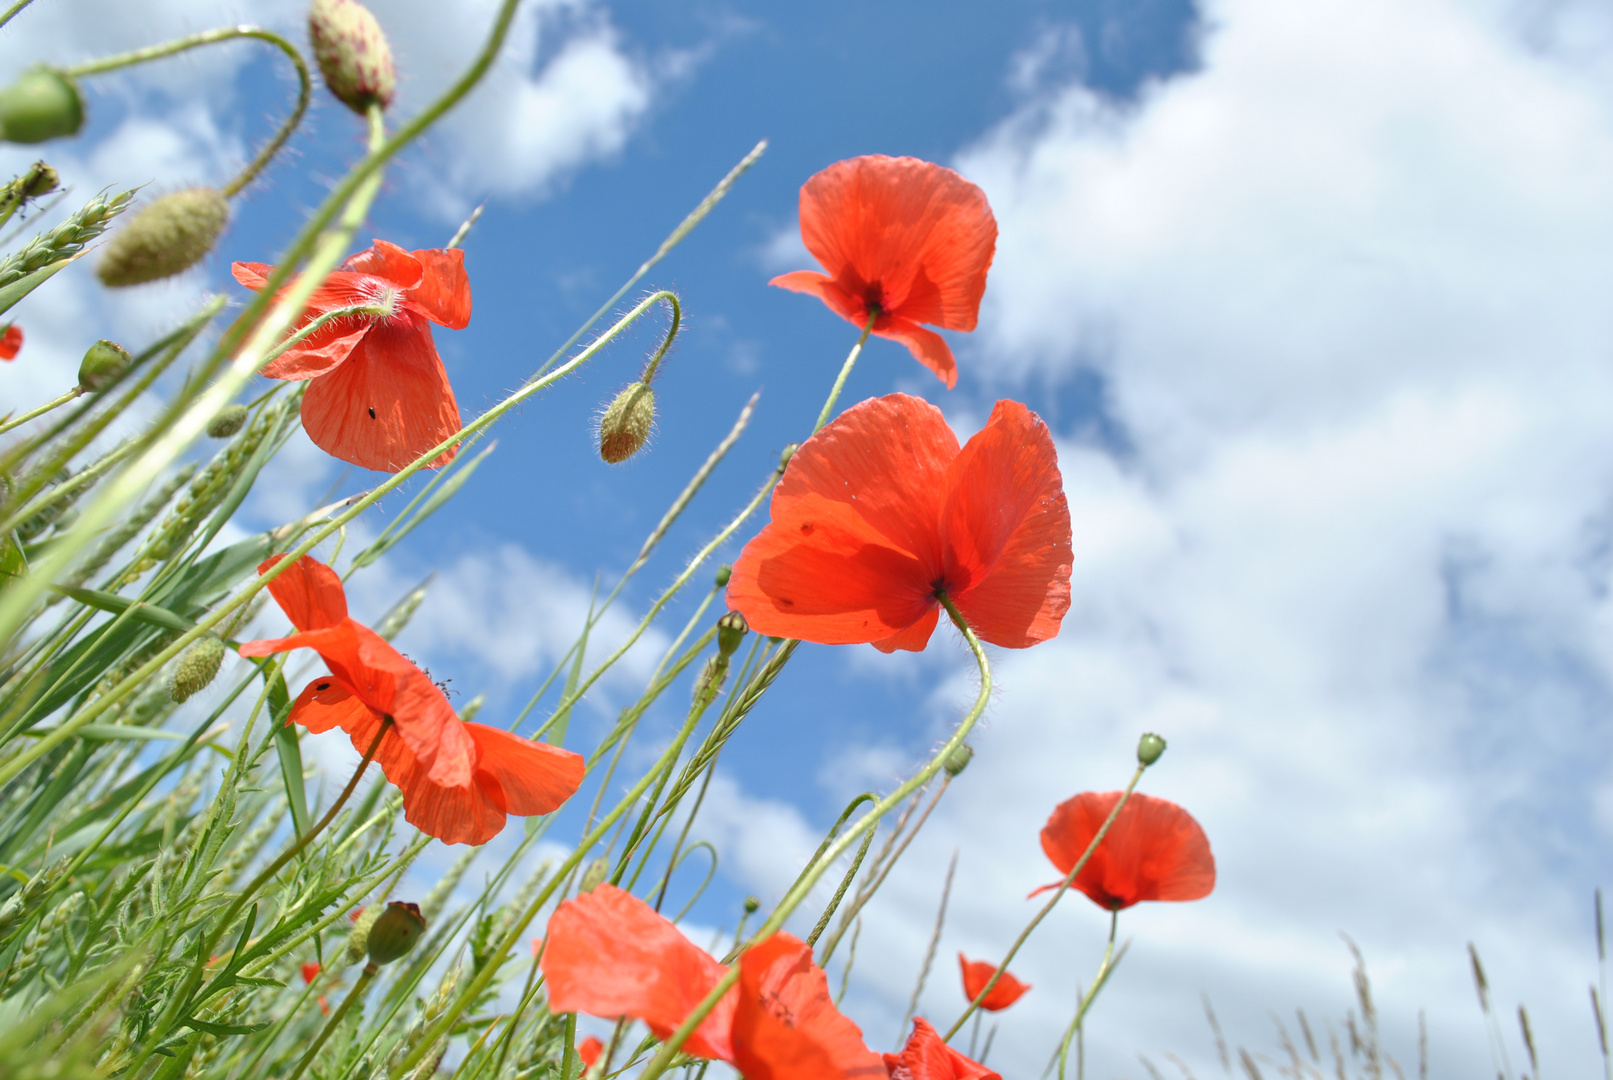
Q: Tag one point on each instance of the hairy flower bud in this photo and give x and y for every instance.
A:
(594, 876)
(228, 421)
(724, 572)
(709, 683)
(731, 630)
(625, 425)
(395, 932)
(353, 53)
(1149, 748)
(42, 104)
(959, 759)
(170, 235)
(103, 363)
(197, 667)
(358, 939)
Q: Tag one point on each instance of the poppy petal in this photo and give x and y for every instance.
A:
(926, 1057)
(387, 404)
(1006, 528)
(10, 342)
(319, 353)
(521, 776)
(1154, 850)
(308, 591)
(927, 347)
(443, 294)
(785, 1024)
(327, 703)
(389, 262)
(589, 1050)
(915, 638)
(254, 275)
(976, 974)
(610, 954)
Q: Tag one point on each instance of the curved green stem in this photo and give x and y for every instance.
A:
(845, 371)
(71, 395)
(11, 12)
(334, 1021)
(666, 342)
(1089, 995)
(211, 37)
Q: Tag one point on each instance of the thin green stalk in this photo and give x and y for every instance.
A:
(1087, 998)
(334, 1020)
(11, 12)
(845, 370)
(16, 422)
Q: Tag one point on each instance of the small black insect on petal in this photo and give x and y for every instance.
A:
(372, 412)
(323, 686)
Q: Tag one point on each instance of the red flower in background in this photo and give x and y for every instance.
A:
(10, 341)
(881, 509)
(926, 1057)
(310, 972)
(377, 392)
(1154, 851)
(589, 1050)
(458, 780)
(976, 974)
(905, 236)
(610, 955)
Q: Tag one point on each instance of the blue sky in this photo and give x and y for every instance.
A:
(1314, 302)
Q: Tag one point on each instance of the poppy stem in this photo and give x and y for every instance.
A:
(335, 1019)
(1064, 886)
(845, 371)
(1090, 995)
(71, 395)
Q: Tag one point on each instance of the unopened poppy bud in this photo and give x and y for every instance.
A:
(170, 235)
(395, 932)
(724, 572)
(358, 940)
(1149, 748)
(594, 876)
(751, 904)
(196, 668)
(959, 759)
(786, 454)
(228, 421)
(103, 363)
(731, 630)
(42, 104)
(708, 684)
(353, 53)
(625, 425)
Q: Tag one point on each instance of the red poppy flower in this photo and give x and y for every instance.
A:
(10, 341)
(880, 510)
(1154, 851)
(905, 236)
(458, 780)
(610, 954)
(926, 1057)
(310, 971)
(589, 1050)
(377, 392)
(976, 974)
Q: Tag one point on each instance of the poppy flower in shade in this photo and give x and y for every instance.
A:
(1154, 851)
(906, 237)
(458, 780)
(377, 392)
(610, 954)
(880, 510)
(10, 341)
(926, 1057)
(589, 1050)
(310, 972)
(976, 974)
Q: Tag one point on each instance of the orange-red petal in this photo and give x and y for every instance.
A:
(610, 954)
(443, 294)
(927, 347)
(389, 262)
(926, 1057)
(1154, 851)
(977, 973)
(308, 591)
(520, 776)
(10, 342)
(786, 1026)
(589, 1050)
(327, 703)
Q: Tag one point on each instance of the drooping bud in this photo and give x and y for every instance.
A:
(625, 425)
(959, 759)
(724, 572)
(229, 420)
(358, 939)
(103, 364)
(1149, 748)
(353, 53)
(594, 876)
(731, 630)
(42, 104)
(170, 235)
(196, 668)
(395, 932)
(786, 454)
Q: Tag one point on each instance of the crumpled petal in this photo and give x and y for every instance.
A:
(976, 974)
(786, 1026)
(1154, 850)
(443, 294)
(926, 1057)
(520, 776)
(308, 591)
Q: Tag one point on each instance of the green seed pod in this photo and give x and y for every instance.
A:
(395, 932)
(170, 235)
(959, 759)
(230, 419)
(594, 876)
(42, 104)
(786, 454)
(751, 904)
(625, 425)
(1149, 748)
(103, 364)
(353, 53)
(358, 939)
(731, 630)
(724, 572)
(196, 668)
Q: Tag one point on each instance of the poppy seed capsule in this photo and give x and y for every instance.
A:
(103, 364)
(959, 759)
(724, 572)
(353, 53)
(1149, 748)
(594, 876)
(731, 630)
(751, 904)
(170, 235)
(625, 425)
(395, 932)
(196, 668)
(42, 104)
(358, 940)
(228, 421)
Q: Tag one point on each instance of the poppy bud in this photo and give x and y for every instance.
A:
(472, 707)
(358, 940)
(196, 668)
(731, 630)
(395, 932)
(170, 235)
(724, 572)
(103, 364)
(353, 53)
(708, 684)
(786, 454)
(751, 904)
(594, 875)
(1149, 748)
(959, 759)
(625, 425)
(42, 104)
(228, 421)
